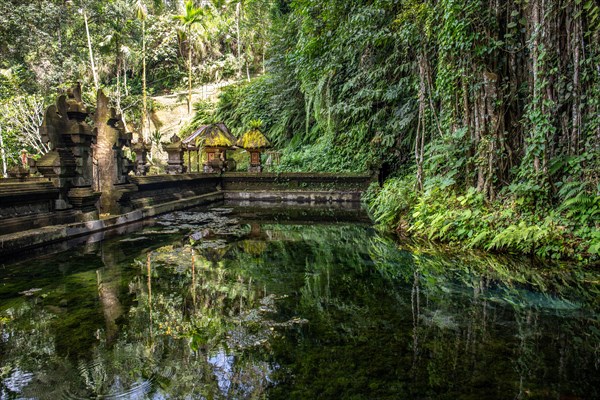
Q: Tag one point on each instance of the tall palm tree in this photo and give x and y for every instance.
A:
(141, 13)
(192, 16)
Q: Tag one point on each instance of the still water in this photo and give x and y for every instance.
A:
(232, 303)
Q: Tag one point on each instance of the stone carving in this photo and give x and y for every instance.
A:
(84, 162)
(141, 150)
(69, 162)
(18, 172)
(175, 156)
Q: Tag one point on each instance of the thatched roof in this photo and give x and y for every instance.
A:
(213, 135)
(253, 140)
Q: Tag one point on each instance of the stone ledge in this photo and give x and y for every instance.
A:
(295, 196)
(20, 241)
(167, 179)
(301, 175)
(17, 190)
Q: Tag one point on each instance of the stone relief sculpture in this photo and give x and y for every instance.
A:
(85, 163)
(69, 163)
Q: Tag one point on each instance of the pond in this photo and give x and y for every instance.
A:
(239, 303)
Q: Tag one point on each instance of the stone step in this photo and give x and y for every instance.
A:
(37, 220)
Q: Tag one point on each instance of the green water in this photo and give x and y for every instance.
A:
(266, 304)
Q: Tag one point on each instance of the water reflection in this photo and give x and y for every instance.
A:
(205, 305)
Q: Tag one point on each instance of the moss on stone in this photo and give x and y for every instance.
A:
(253, 140)
(214, 135)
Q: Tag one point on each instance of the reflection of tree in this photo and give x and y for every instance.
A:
(301, 311)
(214, 311)
(477, 307)
(109, 282)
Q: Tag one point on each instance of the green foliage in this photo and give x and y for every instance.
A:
(256, 124)
(504, 107)
(390, 204)
(242, 103)
(505, 225)
(203, 115)
(326, 154)
(328, 102)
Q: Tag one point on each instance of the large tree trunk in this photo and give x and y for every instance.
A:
(493, 127)
(479, 138)
(577, 38)
(3, 155)
(105, 154)
(420, 139)
(535, 56)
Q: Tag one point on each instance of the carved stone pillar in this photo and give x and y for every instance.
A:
(175, 156)
(69, 162)
(141, 150)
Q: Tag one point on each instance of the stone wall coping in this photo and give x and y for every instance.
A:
(154, 179)
(297, 175)
(35, 179)
(14, 189)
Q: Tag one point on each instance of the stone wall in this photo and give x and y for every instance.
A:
(315, 182)
(30, 204)
(29, 216)
(157, 189)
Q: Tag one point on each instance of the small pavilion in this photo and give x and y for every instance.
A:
(255, 142)
(215, 139)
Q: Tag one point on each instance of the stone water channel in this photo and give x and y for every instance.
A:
(287, 302)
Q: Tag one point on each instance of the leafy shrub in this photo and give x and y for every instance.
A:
(440, 213)
(391, 204)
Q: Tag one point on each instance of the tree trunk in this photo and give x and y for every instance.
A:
(89, 41)
(118, 66)
(493, 128)
(145, 132)
(467, 125)
(189, 70)
(536, 32)
(125, 77)
(3, 155)
(420, 139)
(238, 15)
(107, 167)
(480, 139)
(576, 112)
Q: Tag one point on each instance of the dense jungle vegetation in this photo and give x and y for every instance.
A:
(483, 116)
